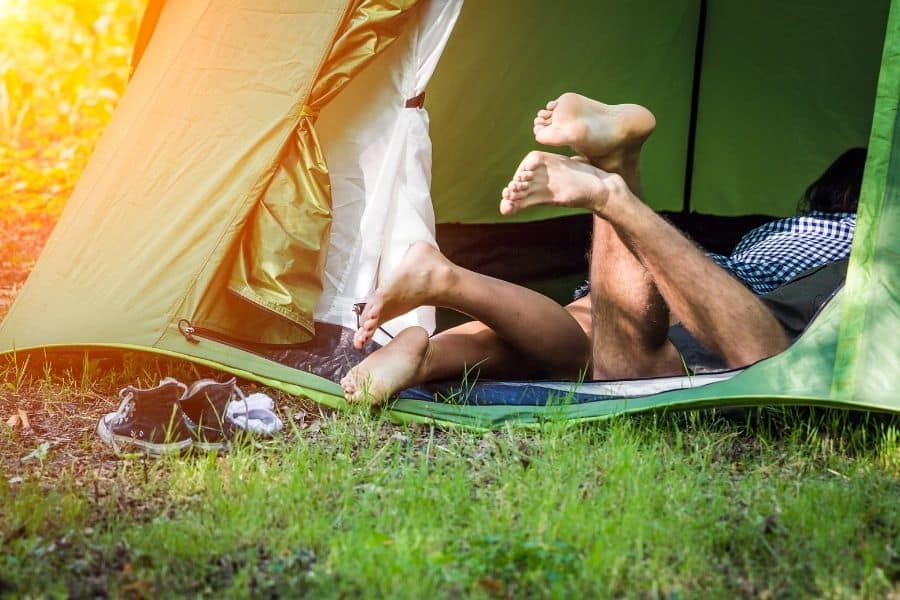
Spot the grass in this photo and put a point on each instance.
(761, 504)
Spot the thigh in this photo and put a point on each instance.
(663, 359)
(581, 311)
(474, 347)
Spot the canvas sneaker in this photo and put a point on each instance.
(206, 407)
(150, 420)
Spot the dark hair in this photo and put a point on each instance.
(837, 189)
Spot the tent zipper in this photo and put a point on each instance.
(192, 334)
(195, 335)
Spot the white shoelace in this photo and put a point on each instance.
(126, 407)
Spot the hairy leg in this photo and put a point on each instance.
(630, 317)
(637, 251)
(712, 305)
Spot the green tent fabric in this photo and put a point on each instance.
(813, 106)
(497, 76)
(794, 81)
(105, 282)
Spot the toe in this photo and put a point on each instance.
(545, 115)
(371, 315)
(518, 194)
(552, 104)
(366, 333)
(358, 340)
(531, 162)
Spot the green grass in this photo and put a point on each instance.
(774, 504)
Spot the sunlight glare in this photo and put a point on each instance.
(9, 7)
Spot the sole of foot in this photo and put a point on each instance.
(544, 178)
(386, 371)
(607, 134)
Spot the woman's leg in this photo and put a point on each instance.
(518, 331)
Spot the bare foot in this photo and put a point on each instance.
(423, 274)
(544, 178)
(388, 370)
(610, 135)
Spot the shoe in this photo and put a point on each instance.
(206, 407)
(149, 419)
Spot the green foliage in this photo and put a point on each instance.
(63, 67)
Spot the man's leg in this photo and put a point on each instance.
(630, 317)
(712, 305)
(520, 331)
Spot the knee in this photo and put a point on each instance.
(749, 351)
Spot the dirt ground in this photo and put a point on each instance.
(48, 417)
(21, 239)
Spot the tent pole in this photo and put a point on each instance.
(695, 103)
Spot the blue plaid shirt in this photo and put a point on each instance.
(771, 255)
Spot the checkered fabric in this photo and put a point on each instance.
(771, 255)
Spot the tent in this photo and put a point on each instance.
(270, 162)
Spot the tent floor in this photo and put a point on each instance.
(555, 392)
